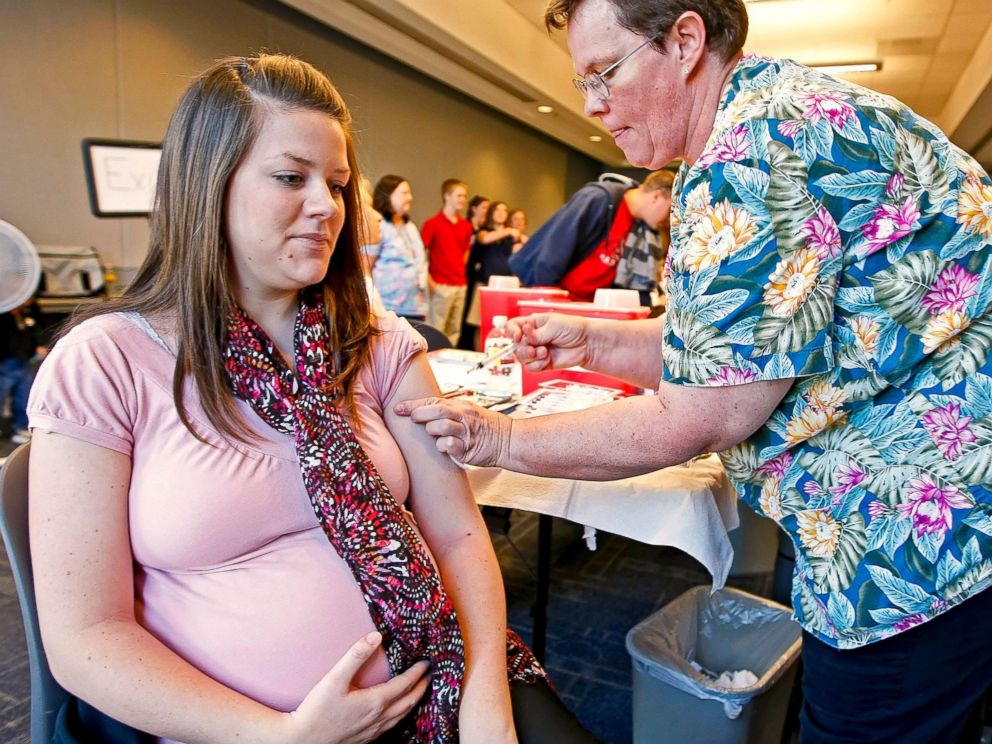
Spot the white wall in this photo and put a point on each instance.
(115, 69)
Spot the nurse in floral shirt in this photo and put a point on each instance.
(828, 332)
(827, 233)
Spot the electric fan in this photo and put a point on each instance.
(20, 268)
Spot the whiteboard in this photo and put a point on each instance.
(120, 176)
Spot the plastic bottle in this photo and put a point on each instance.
(498, 339)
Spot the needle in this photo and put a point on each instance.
(502, 352)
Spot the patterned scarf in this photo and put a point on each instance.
(360, 517)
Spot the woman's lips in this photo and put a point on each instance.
(313, 240)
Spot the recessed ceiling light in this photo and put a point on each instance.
(842, 68)
(595, 138)
(545, 109)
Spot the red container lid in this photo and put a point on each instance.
(506, 301)
(588, 309)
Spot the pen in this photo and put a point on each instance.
(494, 356)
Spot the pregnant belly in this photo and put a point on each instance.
(269, 625)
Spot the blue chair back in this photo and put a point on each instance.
(47, 696)
(434, 337)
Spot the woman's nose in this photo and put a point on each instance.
(321, 202)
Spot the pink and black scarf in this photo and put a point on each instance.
(358, 514)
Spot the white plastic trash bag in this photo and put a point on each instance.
(697, 637)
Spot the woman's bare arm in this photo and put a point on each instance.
(452, 526)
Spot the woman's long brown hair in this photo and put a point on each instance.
(186, 270)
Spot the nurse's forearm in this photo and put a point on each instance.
(621, 439)
(628, 349)
(638, 434)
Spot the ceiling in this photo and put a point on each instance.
(936, 55)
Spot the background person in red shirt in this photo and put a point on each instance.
(447, 237)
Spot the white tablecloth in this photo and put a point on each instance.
(690, 507)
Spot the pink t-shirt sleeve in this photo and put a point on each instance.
(85, 389)
(391, 355)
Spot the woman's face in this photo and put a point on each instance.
(479, 212)
(499, 214)
(401, 199)
(518, 220)
(284, 205)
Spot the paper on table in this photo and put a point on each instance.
(452, 369)
(561, 396)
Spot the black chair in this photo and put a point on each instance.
(47, 696)
(434, 337)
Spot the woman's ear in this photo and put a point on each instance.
(687, 40)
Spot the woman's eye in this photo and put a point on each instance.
(337, 189)
(289, 179)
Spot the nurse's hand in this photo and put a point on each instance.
(550, 341)
(337, 711)
(467, 433)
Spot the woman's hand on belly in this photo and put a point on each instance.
(336, 712)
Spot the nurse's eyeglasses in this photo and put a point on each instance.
(595, 82)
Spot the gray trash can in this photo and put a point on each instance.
(731, 630)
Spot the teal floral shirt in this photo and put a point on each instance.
(829, 234)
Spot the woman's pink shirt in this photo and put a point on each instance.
(231, 568)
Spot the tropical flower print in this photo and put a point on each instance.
(954, 287)
(771, 499)
(942, 330)
(948, 429)
(810, 423)
(778, 465)
(888, 224)
(697, 201)
(873, 99)
(823, 402)
(789, 127)
(825, 397)
(929, 505)
(875, 460)
(865, 334)
(730, 147)
(878, 509)
(848, 476)
(821, 234)
(828, 106)
(723, 230)
(893, 188)
(792, 282)
(975, 206)
(909, 621)
(732, 376)
(697, 204)
(818, 532)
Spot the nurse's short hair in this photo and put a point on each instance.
(725, 20)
